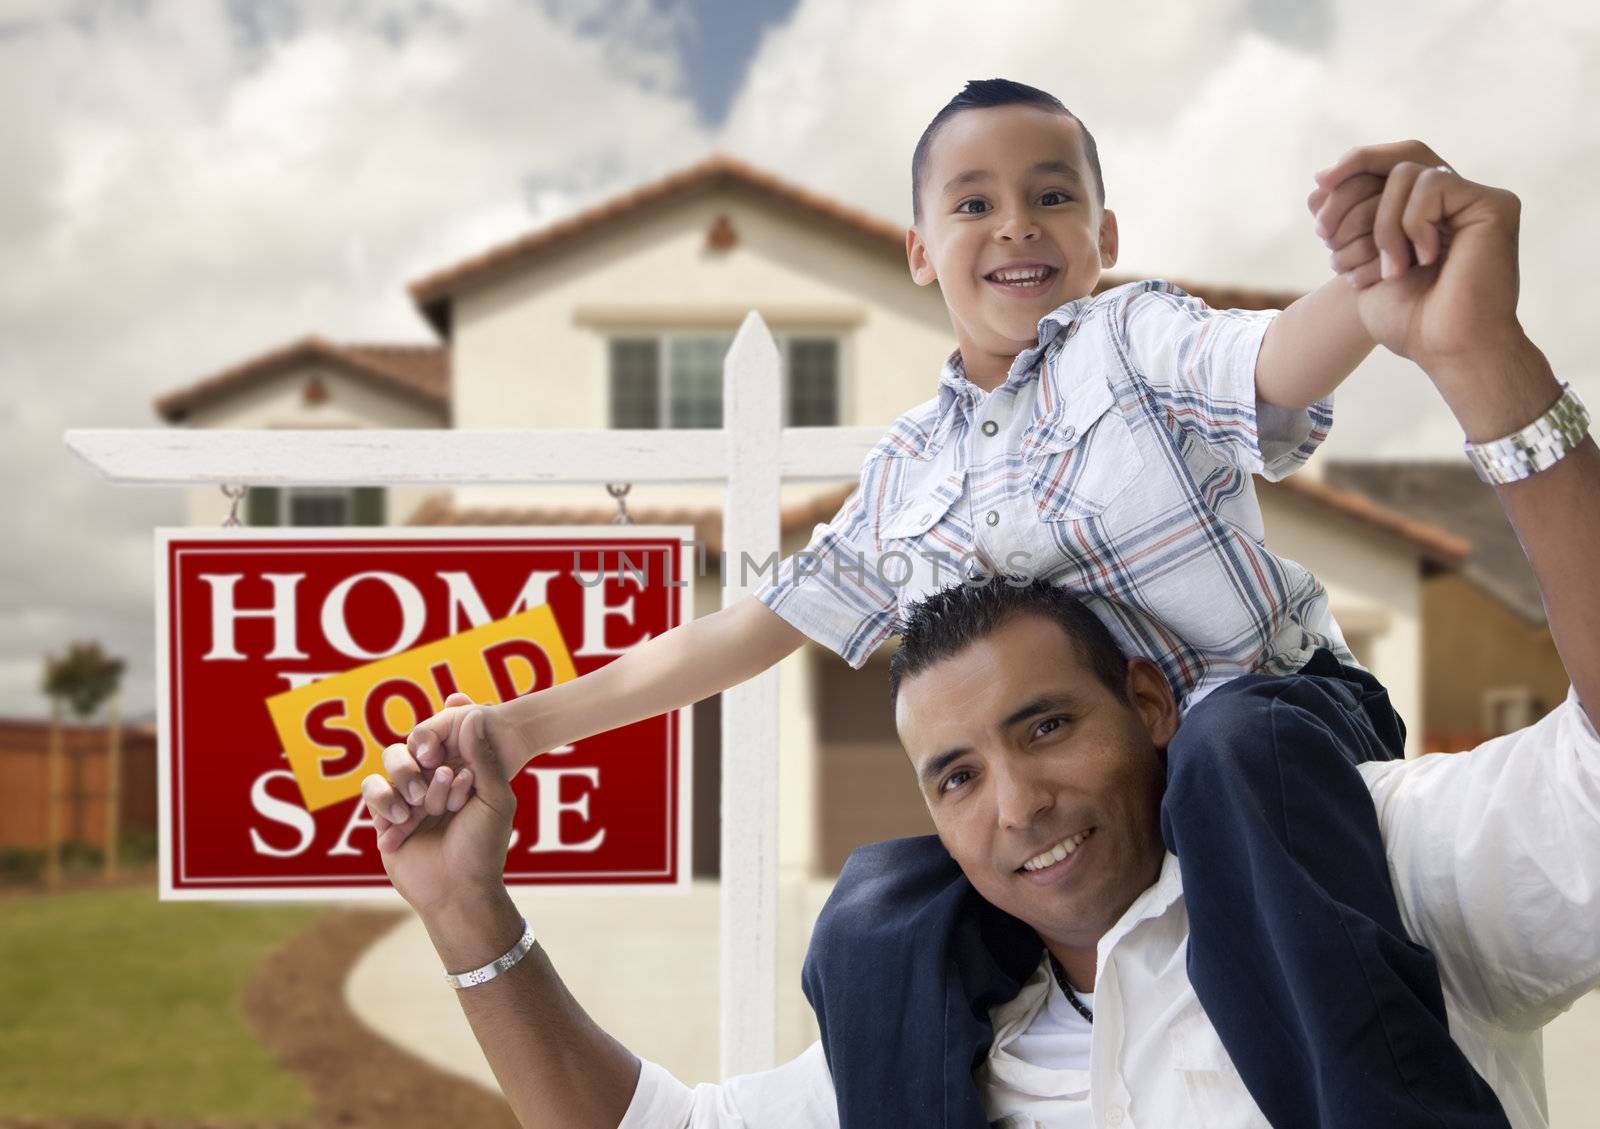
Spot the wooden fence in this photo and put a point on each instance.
(24, 757)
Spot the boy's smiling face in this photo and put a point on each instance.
(1005, 189)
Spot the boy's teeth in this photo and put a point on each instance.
(1057, 853)
(1035, 274)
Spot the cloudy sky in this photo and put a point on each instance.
(185, 183)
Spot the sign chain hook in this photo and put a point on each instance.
(235, 495)
(619, 491)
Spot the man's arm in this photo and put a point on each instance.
(1556, 512)
(1495, 852)
(1455, 315)
(557, 1067)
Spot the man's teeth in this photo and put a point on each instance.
(1027, 277)
(1055, 854)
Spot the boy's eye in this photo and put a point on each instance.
(1061, 196)
(1048, 725)
(962, 207)
(954, 780)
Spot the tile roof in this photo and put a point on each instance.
(1448, 493)
(1438, 547)
(420, 372)
(433, 293)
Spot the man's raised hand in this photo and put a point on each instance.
(433, 745)
(1437, 270)
(455, 839)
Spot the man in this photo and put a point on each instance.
(1477, 843)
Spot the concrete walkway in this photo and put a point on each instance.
(645, 967)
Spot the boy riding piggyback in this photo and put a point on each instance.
(1105, 442)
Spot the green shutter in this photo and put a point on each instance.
(261, 506)
(813, 382)
(366, 505)
(635, 382)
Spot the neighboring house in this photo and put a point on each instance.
(619, 317)
(1490, 664)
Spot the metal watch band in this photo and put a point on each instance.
(1539, 446)
(494, 968)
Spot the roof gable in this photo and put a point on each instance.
(417, 372)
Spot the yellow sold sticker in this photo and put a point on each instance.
(334, 730)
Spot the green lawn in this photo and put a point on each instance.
(115, 1005)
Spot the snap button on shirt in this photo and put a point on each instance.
(992, 517)
(990, 427)
(1069, 433)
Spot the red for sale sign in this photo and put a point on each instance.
(288, 659)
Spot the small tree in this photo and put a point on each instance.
(80, 680)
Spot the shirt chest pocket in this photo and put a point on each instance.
(925, 499)
(1080, 456)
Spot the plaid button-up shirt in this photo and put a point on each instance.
(1115, 459)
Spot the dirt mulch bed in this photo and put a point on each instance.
(357, 1080)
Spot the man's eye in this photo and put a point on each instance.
(962, 207)
(1049, 725)
(954, 781)
(1062, 196)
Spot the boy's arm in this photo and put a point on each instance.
(1311, 347)
(677, 668)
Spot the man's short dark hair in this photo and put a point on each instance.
(952, 619)
(984, 94)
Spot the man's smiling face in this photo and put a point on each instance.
(1024, 755)
(1008, 187)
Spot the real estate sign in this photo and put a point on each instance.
(288, 659)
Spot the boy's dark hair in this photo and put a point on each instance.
(986, 93)
(952, 619)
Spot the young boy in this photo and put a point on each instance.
(1105, 443)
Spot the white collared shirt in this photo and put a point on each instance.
(1495, 856)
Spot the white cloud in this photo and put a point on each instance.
(1210, 126)
(183, 191)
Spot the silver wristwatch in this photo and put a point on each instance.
(1539, 446)
(495, 967)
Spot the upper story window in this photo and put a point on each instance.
(675, 380)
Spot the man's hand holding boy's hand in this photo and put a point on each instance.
(1439, 309)
(431, 770)
(454, 850)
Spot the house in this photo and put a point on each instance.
(1490, 665)
(619, 316)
